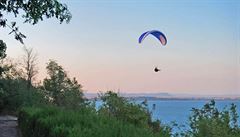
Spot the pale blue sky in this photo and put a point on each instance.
(100, 45)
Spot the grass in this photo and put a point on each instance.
(58, 122)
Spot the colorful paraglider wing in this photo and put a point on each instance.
(142, 37)
(159, 35)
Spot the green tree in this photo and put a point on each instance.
(121, 108)
(3, 48)
(11, 69)
(127, 111)
(211, 122)
(32, 11)
(60, 89)
(13, 88)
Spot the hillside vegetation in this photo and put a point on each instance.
(57, 108)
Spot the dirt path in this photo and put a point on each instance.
(8, 126)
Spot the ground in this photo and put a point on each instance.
(8, 126)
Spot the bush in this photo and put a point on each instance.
(58, 122)
(127, 111)
(122, 109)
(211, 122)
(15, 94)
(60, 89)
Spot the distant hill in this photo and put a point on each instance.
(155, 95)
(168, 96)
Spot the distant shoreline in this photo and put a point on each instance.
(179, 99)
(182, 99)
(168, 96)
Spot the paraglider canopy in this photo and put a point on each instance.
(159, 35)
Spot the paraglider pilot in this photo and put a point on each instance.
(156, 69)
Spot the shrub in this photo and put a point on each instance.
(211, 122)
(58, 122)
(15, 94)
(128, 111)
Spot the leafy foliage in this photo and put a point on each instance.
(137, 114)
(32, 11)
(13, 89)
(3, 48)
(15, 94)
(11, 69)
(58, 122)
(35, 10)
(122, 109)
(60, 89)
(211, 122)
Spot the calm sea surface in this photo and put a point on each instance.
(179, 110)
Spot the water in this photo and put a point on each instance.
(179, 110)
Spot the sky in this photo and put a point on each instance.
(100, 45)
